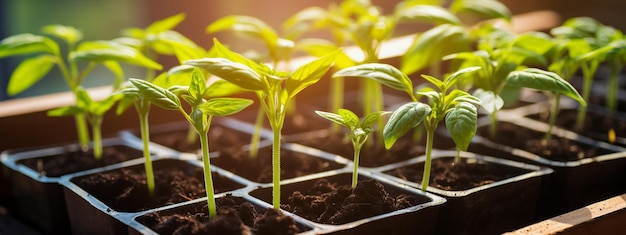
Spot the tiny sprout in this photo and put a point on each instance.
(200, 116)
(359, 131)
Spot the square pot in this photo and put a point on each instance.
(38, 197)
(138, 223)
(488, 208)
(599, 174)
(418, 217)
(103, 210)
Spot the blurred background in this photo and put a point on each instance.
(104, 19)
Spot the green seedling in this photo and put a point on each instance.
(274, 89)
(157, 39)
(94, 112)
(500, 53)
(359, 131)
(48, 53)
(456, 106)
(449, 35)
(200, 116)
(278, 49)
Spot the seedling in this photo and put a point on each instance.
(450, 34)
(94, 112)
(48, 51)
(359, 131)
(499, 55)
(277, 49)
(200, 116)
(274, 89)
(456, 106)
(157, 38)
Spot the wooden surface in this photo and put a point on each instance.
(605, 217)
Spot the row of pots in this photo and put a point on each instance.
(538, 189)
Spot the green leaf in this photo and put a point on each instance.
(453, 78)
(234, 72)
(303, 21)
(219, 87)
(29, 72)
(432, 45)
(224, 106)
(100, 107)
(157, 95)
(489, 9)
(544, 80)
(245, 24)
(433, 80)
(69, 34)
(222, 51)
(461, 124)
(429, 13)
(349, 118)
(65, 111)
(100, 51)
(321, 47)
(385, 74)
(165, 24)
(197, 86)
(333, 117)
(490, 101)
(309, 74)
(372, 118)
(406, 117)
(21, 44)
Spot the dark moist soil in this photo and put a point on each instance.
(558, 149)
(595, 126)
(176, 181)
(329, 203)
(220, 138)
(447, 175)
(75, 161)
(259, 169)
(235, 216)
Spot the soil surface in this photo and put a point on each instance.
(259, 169)
(220, 138)
(176, 181)
(75, 161)
(558, 149)
(330, 203)
(595, 125)
(235, 216)
(447, 175)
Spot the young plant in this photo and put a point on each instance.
(450, 34)
(157, 39)
(278, 49)
(48, 53)
(274, 89)
(200, 116)
(359, 131)
(94, 112)
(456, 106)
(500, 53)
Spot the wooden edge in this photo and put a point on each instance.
(396, 47)
(565, 222)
